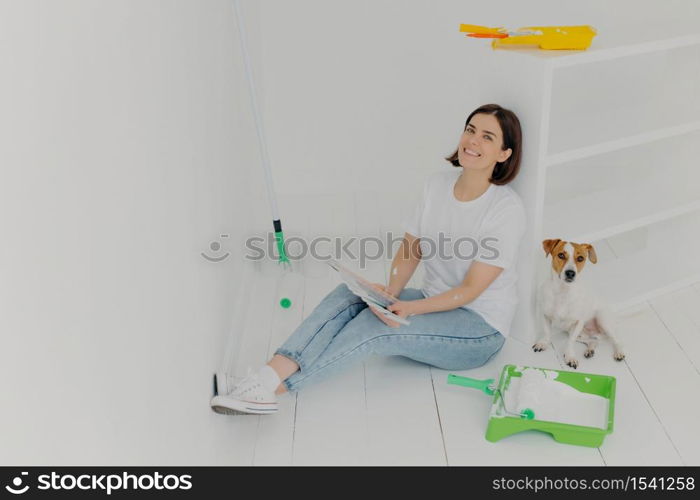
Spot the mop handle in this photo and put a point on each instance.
(256, 113)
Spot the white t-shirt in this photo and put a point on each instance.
(487, 229)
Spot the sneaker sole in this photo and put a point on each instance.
(228, 411)
(227, 406)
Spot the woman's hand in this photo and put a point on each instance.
(401, 308)
(376, 312)
(404, 308)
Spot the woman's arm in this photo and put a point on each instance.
(404, 264)
(478, 278)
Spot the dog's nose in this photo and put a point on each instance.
(569, 273)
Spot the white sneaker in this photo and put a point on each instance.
(224, 383)
(248, 396)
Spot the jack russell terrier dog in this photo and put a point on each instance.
(565, 305)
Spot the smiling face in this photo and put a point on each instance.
(568, 259)
(481, 143)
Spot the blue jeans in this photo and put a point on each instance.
(342, 330)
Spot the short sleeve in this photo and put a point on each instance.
(501, 235)
(412, 223)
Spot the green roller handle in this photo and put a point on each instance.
(483, 385)
(279, 238)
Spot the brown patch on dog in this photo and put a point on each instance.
(591, 253)
(581, 252)
(559, 256)
(549, 245)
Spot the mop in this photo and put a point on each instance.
(283, 260)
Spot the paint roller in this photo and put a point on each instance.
(520, 397)
(490, 387)
(283, 260)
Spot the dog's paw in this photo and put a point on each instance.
(571, 361)
(589, 353)
(539, 346)
(619, 356)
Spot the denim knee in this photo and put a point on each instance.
(496, 341)
(343, 289)
(465, 354)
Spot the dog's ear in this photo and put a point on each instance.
(591, 252)
(549, 245)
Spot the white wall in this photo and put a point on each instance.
(128, 147)
(126, 142)
(367, 92)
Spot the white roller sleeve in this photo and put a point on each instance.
(556, 401)
(532, 383)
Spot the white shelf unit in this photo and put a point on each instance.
(609, 159)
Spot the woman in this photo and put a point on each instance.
(462, 314)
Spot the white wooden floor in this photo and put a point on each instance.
(394, 411)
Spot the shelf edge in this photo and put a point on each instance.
(607, 232)
(553, 160)
(624, 306)
(625, 51)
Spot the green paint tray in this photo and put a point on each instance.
(505, 421)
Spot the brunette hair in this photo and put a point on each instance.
(503, 172)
